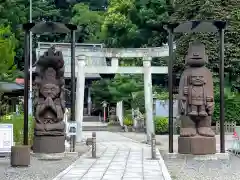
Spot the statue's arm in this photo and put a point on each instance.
(62, 98)
(209, 93)
(182, 94)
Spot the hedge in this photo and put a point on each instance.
(161, 124)
(231, 106)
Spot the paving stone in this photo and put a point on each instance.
(118, 174)
(134, 165)
(156, 174)
(81, 165)
(123, 163)
(97, 169)
(92, 174)
(111, 177)
(116, 167)
(78, 172)
(134, 174)
(102, 162)
(69, 176)
(103, 165)
(72, 178)
(153, 178)
(134, 170)
(88, 178)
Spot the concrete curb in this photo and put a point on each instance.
(165, 172)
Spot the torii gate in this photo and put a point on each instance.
(114, 54)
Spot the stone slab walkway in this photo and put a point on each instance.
(119, 158)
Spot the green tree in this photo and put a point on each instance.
(89, 23)
(96, 5)
(45, 10)
(135, 23)
(121, 88)
(7, 54)
(13, 14)
(211, 10)
(100, 92)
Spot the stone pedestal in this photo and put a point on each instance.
(49, 144)
(197, 145)
(20, 156)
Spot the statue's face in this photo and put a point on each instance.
(197, 80)
(50, 90)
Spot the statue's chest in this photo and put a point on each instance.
(197, 91)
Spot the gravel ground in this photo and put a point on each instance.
(187, 168)
(39, 169)
(191, 169)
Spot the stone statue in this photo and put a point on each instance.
(112, 114)
(49, 103)
(196, 101)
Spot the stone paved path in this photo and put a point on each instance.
(119, 158)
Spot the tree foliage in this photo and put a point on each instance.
(7, 53)
(45, 10)
(135, 23)
(89, 23)
(121, 88)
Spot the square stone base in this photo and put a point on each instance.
(197, 145)
(20, 156)
(49, 144)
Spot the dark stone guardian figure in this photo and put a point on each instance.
(196, 104)
(49, 104)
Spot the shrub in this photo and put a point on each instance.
(231, 106)
(128, 121)
(161, 124)
(18, 121)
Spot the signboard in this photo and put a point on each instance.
(6, 138)
(72, 129)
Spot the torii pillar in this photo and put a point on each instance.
(148, 96)
(80, 96)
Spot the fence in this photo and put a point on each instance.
(228, 127)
